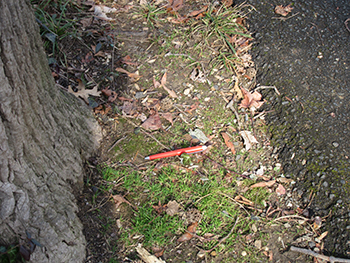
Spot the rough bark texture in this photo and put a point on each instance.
(45, 134)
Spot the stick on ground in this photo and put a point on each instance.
(316, 255)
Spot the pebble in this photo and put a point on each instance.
(244, 253)
(201, 254)
(257, 244)
(335, 144)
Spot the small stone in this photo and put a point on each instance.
(316, 249)
(325, 184)
(244, 253)
(335, 144)
(201, 254)
(254, 228)
(207, 99)
(187, 91)
(257, 244)
(213, 253)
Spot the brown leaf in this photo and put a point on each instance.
(168, 116)
(280, 190)
(283, 10)
(84, 93)
(251, 99)
(171, 92)
(158, 251)
(129, 108)
(263, 184)
(130, 75)
(198, 12)
(127, 60)
(152, 123)
(191, 230)
(112, 95)
(118, 200)
(192, 227)
(174, 5)
(156, 84)
(228, 142)
(103, 109)
(193, 107)
(172, 208)
(160, 208)
(163, 80)
(185, 237)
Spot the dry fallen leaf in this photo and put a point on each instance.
(197, 13)
(189, 234)
(130, 75)
(174, 5)
(152, 123)
(168, 116)
(251, 99)
(172, 208)
(112, 95)
(248, 138)
(171, 92)
(158, 251)
(118, 200)
(263, 184)
(283, 10)
(280, 190)
(156, 84)
(84, 93)
(228, 142)
(100, 12)
(238, 90)
(159, 208)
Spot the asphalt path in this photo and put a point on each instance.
(306, 55)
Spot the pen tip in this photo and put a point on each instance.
(147, 158)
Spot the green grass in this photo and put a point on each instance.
(10, 254)
(212, 197)
(55, 25)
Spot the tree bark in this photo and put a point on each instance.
(45, 134)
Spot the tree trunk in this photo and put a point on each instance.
(45, 134)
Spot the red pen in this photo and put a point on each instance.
(189, 150)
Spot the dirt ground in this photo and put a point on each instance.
(127, 56)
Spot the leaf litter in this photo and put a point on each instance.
(111, 100)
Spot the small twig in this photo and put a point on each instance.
(268, 87)
(285, 18)
(224, 238)
(171, 54)
(316, 255)
(242, 206)
(291, 216)
(318, 32)
(114, 144)
(206, 156)
(230, 106)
